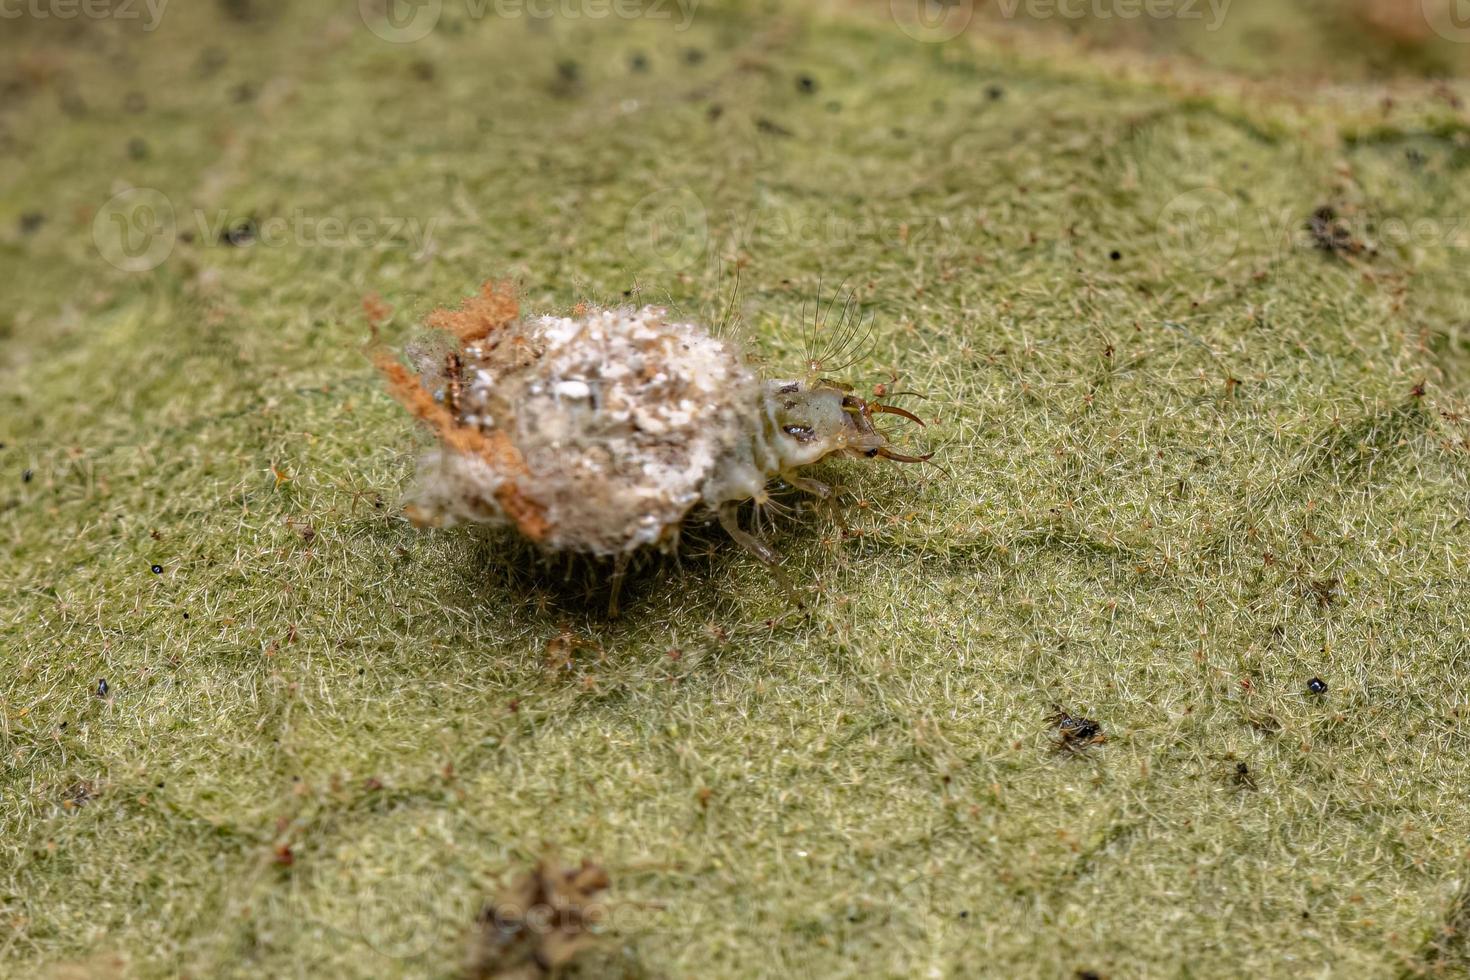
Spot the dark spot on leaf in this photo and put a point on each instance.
(212, 60)
(1075, 732)
(240, 235)
(73, 104)
(1331, 233)
(238, 10)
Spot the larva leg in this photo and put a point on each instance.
(730, 520)
(669, 544)
(807, 485)
(620, 568)
(822, 492)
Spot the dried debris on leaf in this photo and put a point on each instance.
(78, 795)
(539, 924)
(1332, 233)
(1075, 733)
(1324, 592)
(561, 649)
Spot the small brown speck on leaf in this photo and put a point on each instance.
(1075, 733)
(79, 795)
(1323, 591)
(1331, 233)
(562, 648)
(539, 924)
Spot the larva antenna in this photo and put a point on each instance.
(843, 329)
(732, 317)
(724, 309)
(723, 312)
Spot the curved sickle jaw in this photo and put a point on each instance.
(887, 453)
(876, 409)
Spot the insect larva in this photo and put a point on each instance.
(603, 432)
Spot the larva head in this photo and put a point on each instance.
(815, 420)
